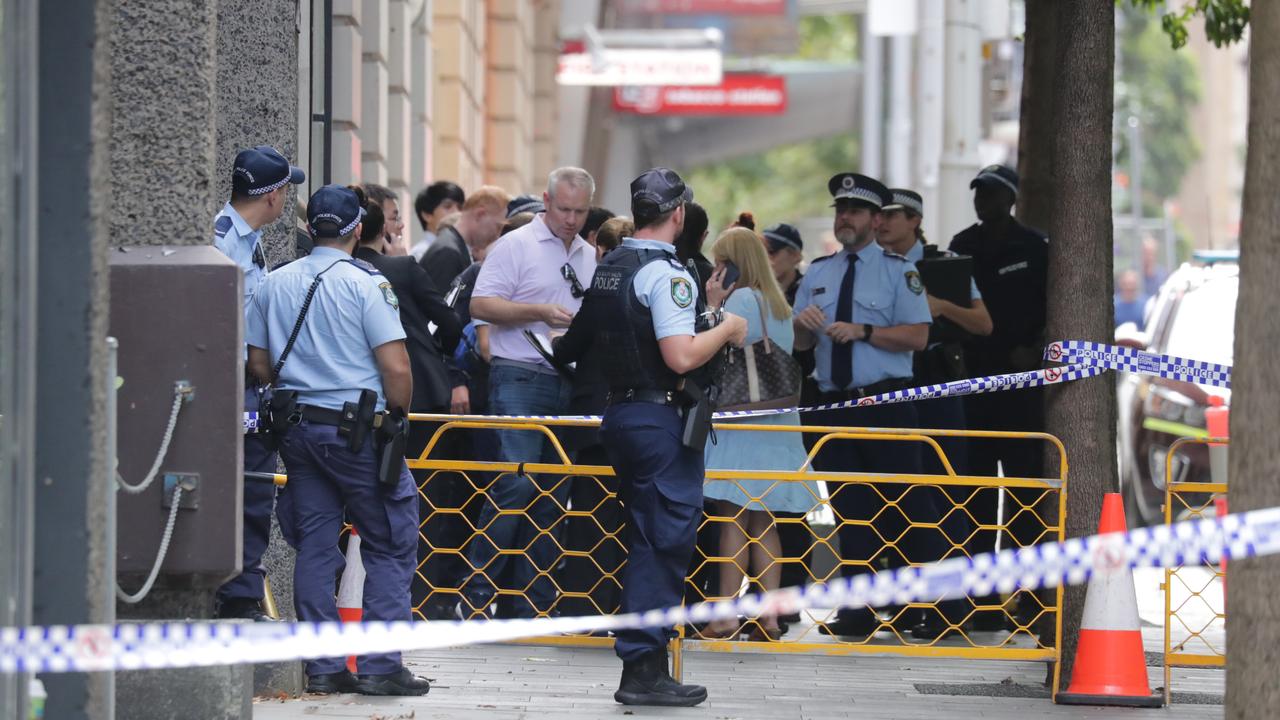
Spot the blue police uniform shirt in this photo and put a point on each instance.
(668, 290)
(233, 236)
(886, 292)
(916, 254)
(354, 311)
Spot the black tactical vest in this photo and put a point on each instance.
(623, 327)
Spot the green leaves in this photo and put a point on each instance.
(1224, 20)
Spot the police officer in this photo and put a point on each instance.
(642, 309)
(1010, 266)
(260, 181)
(327, 328)
(864, 311)
(942, 361)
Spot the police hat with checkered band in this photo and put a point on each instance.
(258, 171)
(859, 188)
(904, 199)
(1000, 175)
(333, 211)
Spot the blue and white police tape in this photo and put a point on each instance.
(86, 648)
(1114, 357)
(973, 386)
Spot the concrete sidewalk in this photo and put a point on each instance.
(507, 681)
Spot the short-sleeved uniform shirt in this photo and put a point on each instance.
(240, 242)
(886, 292)
(667, 289)
(526, 266)
(354, 310)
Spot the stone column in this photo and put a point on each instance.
(257, 100)
(509, 102)
(400, 74)
(375, 49)
(257, 104)
(348, 90)
(420, 95)
(546, 92)
(458, 39)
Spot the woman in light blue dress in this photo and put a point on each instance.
(746, 506)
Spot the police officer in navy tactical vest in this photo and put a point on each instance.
(642, 308)
(325, 332)
(864, 312)
(260, 180)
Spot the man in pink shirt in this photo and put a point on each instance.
(534, 279)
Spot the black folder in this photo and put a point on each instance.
(948, 278)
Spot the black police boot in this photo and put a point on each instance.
(647, 682)
(242, 609)
(401, 682)
(332, 683)
(852, 622)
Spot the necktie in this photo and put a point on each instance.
(842, 353)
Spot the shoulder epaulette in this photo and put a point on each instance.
(824, 257)
(221, 225)
(365, 266)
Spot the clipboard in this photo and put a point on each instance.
(536, 341)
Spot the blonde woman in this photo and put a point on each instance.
(750, 503)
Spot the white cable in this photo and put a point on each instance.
(164, 550)
(181, 391)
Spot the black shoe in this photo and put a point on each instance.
(332, 683)
(852, 623)
(402, 682)
(242, 609)
(789, 619)
(931, 627)
(647, 682)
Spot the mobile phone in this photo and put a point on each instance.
(731, 274)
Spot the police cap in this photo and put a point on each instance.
(525, 203)
(860, 188)
(259, 170)
(658, 191)
(1002, 175)
(783, 235)
(904, 199)
(333, 212)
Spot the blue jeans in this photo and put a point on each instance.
(515, 390)
(326, 480)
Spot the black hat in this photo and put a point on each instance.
(906, 200)
(852, 186)
(658, 191)
(783, 235)
(525, 203)
(333, 211)
(999, 175)
(260, 170)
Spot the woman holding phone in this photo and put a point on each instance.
(744, 508)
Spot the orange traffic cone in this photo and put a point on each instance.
(351, 589)
(1111, 667)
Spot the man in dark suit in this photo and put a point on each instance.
(453, 251)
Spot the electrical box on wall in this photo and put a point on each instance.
(177, 315)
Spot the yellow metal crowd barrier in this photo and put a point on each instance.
(1194, 596)
(587, 573)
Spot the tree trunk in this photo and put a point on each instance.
(1082, 414)
(1253, 607)
(1036, 127)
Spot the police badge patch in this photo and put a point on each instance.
(389, 295)
(914, 284)
(681, 292)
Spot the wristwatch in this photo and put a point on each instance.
(867, 329)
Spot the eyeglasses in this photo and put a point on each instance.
(575, 287)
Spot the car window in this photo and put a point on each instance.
(1203, 325)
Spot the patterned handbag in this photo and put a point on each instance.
(760, 376)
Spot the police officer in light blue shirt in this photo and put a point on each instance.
(864, 311)
(327, 327)
(260, 181)
(640, 313)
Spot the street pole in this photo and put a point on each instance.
(930, 88)
(872, 101)
(962, 114)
